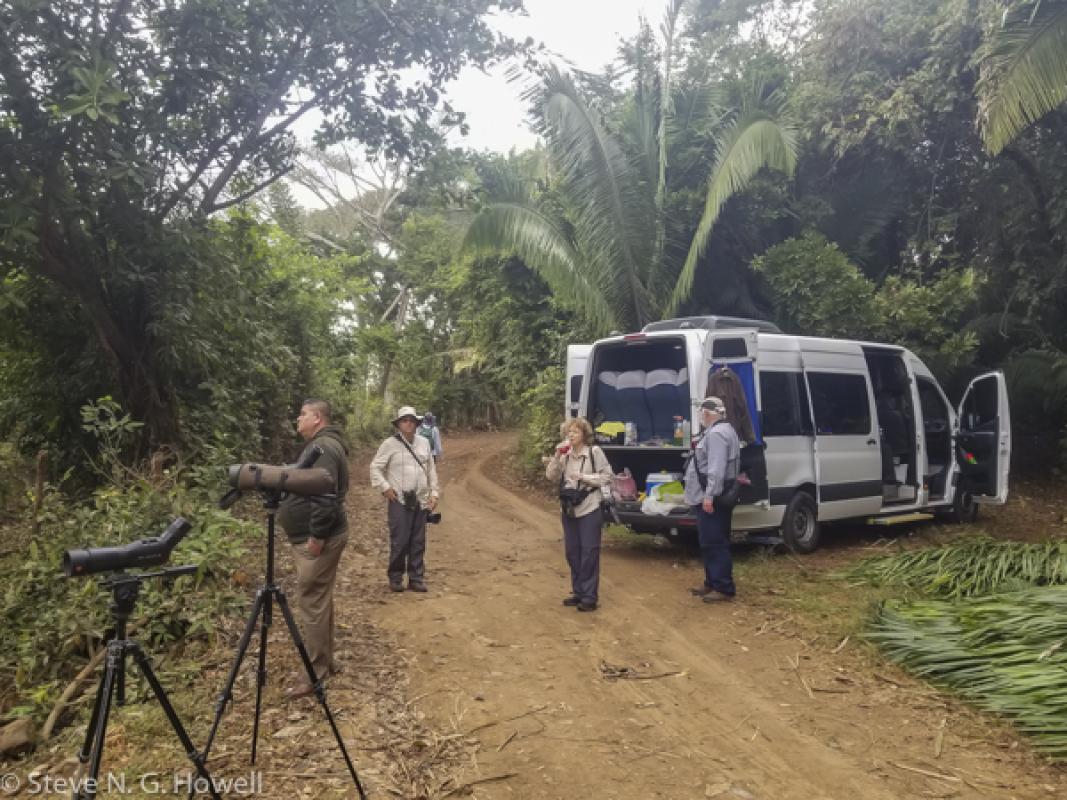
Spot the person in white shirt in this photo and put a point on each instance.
(403, 470)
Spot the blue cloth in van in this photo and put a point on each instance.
(607, 400)
(633, 407)
(747, 375)
(661, 394)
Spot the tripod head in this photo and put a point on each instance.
(125, 587)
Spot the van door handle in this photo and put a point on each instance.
(872, 441)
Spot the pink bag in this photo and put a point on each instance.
(623, 486)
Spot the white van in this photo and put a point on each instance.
(837, 429)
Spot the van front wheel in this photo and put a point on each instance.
(964, 508)
(800, 525)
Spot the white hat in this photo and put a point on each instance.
(715, 405)
(406, 411)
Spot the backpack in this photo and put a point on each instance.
(426, 432)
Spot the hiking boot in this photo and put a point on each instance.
(714, 596)
(396, 587)
(302, 689)
(701, 591)
(571, 601)
(583, 606)
(417, 586)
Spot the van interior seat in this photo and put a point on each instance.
(632, 403)
(661, 395)
(607, 401)
(681, 394)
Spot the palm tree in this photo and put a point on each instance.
(1024, 71)
(601, 238)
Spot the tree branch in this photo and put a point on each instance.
(259, 187)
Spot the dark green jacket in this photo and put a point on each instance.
(321, 517)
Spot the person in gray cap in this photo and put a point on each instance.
(715, 460)
(403, 470)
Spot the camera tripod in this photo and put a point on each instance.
(124, 592)
(267, 594)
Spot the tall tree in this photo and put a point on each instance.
(604, 238)
(124, 124)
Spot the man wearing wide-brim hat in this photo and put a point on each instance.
(403, 470)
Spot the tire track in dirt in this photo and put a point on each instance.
(497, 659)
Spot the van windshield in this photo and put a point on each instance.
(643, 383)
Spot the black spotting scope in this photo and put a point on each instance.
(150, 552)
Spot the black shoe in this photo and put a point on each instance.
(417, 586)
(587, 606)
(717, 597)
(572, 601)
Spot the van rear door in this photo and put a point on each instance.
(983, 438)
(736, 350)
(577, 358)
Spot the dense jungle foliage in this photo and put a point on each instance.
(841, 167)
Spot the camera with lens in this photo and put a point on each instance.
(570, 498)
(410, 500)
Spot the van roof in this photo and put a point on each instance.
(710, 323)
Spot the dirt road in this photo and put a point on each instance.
(657, 695)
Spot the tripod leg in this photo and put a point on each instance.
(86, 788)
(168, 709)
(261, 671)
(90, 730)
(226, 695)
(320, 692)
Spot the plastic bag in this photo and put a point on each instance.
(623, 486)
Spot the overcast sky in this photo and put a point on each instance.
(585, 32)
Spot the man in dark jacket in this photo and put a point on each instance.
(318, 530)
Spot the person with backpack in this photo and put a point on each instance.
(582, 470)
(428, 430)
(712, 468)
(403, 470)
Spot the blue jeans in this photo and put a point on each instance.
(713, 532)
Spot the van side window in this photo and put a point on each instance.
(576, 387)
(806, 426)
(840, 403)
(728, 348)
(785, 404)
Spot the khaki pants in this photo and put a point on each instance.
(314, 581)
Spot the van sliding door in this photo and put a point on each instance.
(846, 439)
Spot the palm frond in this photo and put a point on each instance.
(611, 218)
(975, 567)
(752, 142)
(1006, 653)
(519, 228)
(1024, 73)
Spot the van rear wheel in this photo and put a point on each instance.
(800, 525)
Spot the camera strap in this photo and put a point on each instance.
(425, 469)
